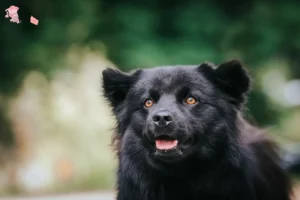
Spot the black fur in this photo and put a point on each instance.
(219, 156)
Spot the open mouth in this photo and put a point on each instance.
(171, 149)
(165, 142)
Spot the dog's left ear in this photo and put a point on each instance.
(116, 85)
(230, 77)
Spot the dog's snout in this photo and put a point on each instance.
(162, 118)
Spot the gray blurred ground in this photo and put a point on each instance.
(79, 196)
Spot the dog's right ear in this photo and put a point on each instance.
(116, 85)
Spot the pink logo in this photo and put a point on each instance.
(12, 12)
(34, 20)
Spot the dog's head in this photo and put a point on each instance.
(167, 114)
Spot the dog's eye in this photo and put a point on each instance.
(148, 103)
(191, 100)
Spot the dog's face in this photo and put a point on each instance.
(168, 114)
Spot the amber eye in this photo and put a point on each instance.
(191, 100)
(148, 103)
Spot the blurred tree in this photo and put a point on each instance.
(149, 33)
(26, 47)
(152, 32)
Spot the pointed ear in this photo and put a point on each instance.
(207, 68)
(116, 85)
(232, 78)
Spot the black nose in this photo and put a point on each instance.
(162, 118)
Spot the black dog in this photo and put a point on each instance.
(181, 135)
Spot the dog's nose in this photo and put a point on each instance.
(162, 118)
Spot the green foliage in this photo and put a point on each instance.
(152, 32)
(28, 47)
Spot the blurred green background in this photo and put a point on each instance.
(55, 127)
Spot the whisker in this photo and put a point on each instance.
(140, 150)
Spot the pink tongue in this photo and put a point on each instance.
(166, 144)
